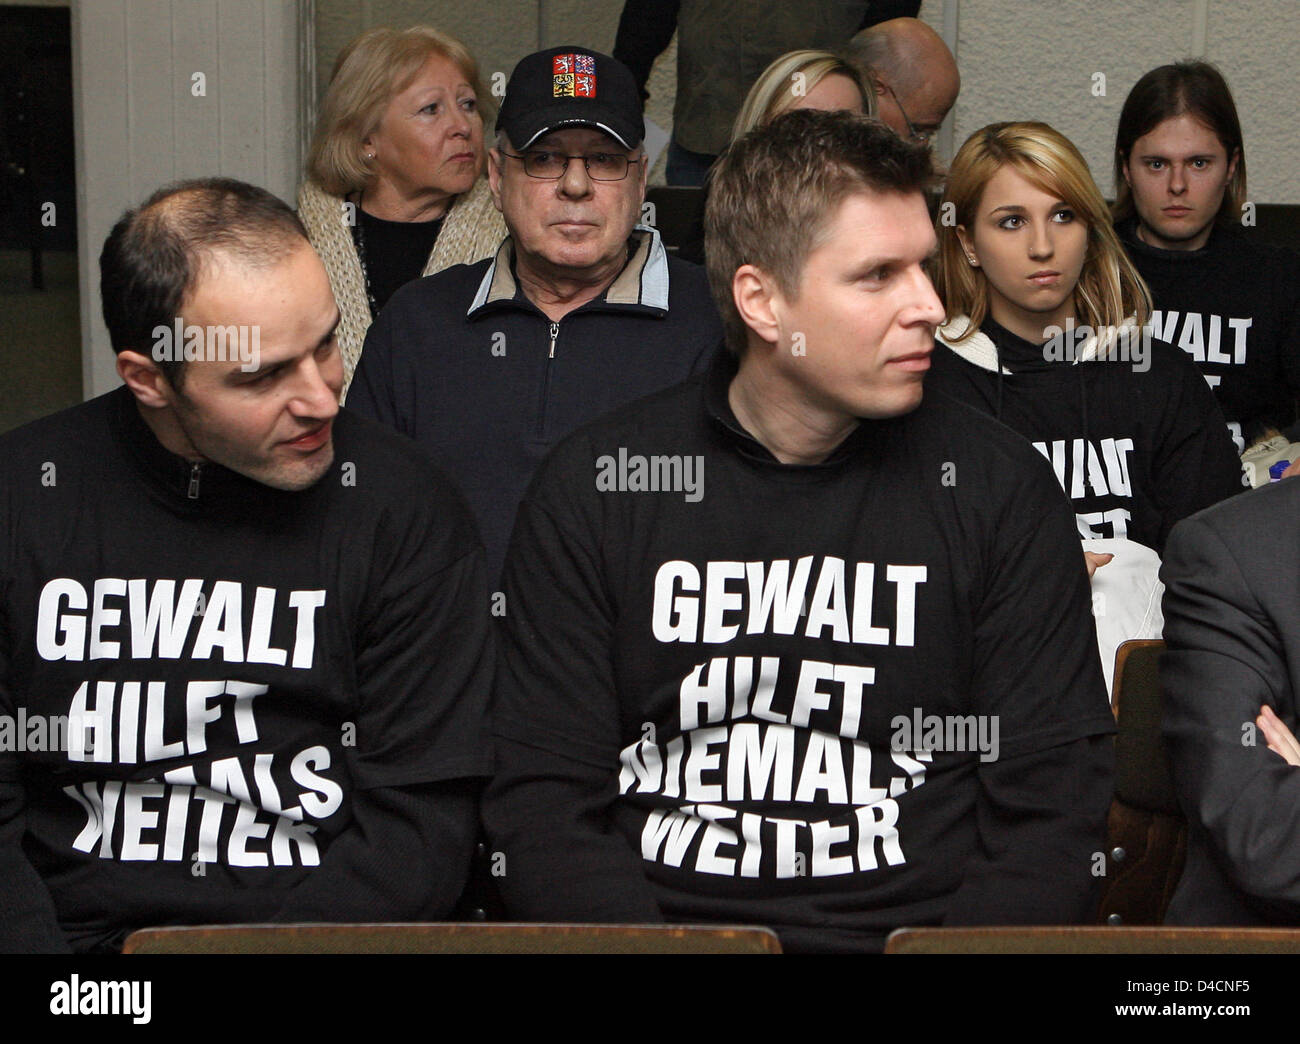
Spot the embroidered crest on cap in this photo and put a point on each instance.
(573, 76)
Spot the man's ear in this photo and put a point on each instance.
(147, 382)
(758, 301)
(494, 163)
(643, 161)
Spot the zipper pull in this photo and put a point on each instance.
(194, 481)
(555, 332)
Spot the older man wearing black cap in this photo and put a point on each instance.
(580, 311)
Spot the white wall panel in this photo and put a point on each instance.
(139, 123)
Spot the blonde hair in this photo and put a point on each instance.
(1109, 287)
(368, 72)
(774, 90)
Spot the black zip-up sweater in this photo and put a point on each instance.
(1137, 445)
(1234, 307)
(699, 689)
(464, 363)
(293, 686)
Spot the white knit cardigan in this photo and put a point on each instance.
(472, 230)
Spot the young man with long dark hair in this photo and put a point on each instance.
(1226, 298)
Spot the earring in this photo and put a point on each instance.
(973, 262)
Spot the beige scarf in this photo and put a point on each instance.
(472, 230)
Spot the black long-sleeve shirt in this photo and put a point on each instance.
(275, 701)
(706, 698)
(1136, 441)
(1234, 308)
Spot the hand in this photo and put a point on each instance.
(1293, 470)
(1280, 740)
(1095, 561)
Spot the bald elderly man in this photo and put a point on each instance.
(914, 74)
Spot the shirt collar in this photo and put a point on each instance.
(1219, 235)
(717, 404)
(182, 484)
(641, 284)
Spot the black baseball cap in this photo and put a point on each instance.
(571, 87)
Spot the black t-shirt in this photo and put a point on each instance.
(393, 252)
(1234, 307)
(726, 678)
(231, 664)
(1138, 444)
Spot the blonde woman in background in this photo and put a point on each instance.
(797, 80)
(803, 80)
(394, 184)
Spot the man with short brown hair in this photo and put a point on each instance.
(786, 644)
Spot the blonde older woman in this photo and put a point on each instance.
(803, 80)
(795, 80)
(394, 187)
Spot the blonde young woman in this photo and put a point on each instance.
(1045, 332)
(394, 183)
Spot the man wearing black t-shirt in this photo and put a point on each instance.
(1229, 300)
(243, 669)
(786, 644)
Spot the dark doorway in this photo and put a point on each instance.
(40, 338)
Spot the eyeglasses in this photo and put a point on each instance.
(920, 137)
(551, 166)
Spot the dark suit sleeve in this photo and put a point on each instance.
(548, 808)
(1223, 661)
